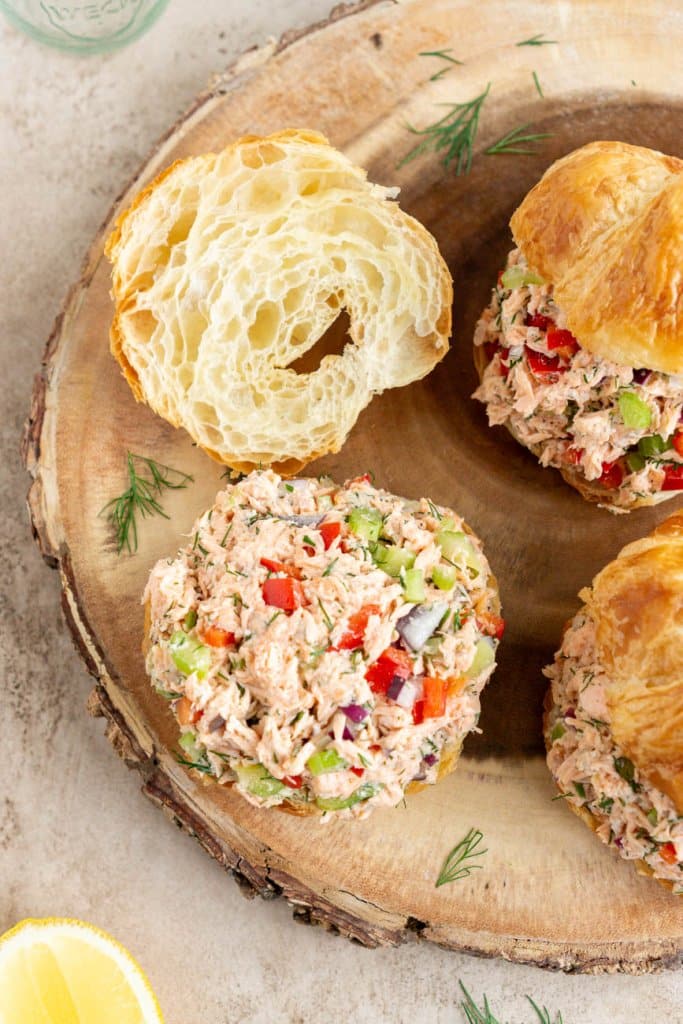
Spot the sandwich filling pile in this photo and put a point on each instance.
(591, 770)
(616, 425)
(323, 646)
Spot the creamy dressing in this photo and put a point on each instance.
(592, 771)
(571, 417)
(267, 684)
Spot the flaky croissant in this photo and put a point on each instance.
(229, 267)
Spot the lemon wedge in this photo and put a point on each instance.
(59, 971)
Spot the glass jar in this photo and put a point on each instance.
(89, 26)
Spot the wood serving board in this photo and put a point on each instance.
(549, 892)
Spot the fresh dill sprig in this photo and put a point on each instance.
(513, 141)
(544, 1015)
(537, 84)
(537, 40)
(455, 133)
(444, 55)
(454, 866)
(484, 1014)
(473, 1014)
(147, 479)
(199, 766)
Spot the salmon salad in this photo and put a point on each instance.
(591, 770)
(322, 646)
(616, 425)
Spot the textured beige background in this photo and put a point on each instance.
(76, 836)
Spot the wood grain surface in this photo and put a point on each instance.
(549, 893)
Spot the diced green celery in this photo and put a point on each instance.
(456, 547)
(635, 461)
(558, 732)
(190, 619)
(444, 576)
(188, 743)
(652, 446)
(365, 522)
(652, 816)
(324, 761)
(256, 779)
(340, 803)
(392, 559)
(413, 585)
(635, 413)
(189, 655)
(515, 277)
(484, 656)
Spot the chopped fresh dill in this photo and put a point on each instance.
(434, 510)
(141, 496)
(330, 567)
(308, 540)
(513, 141)
(537, 84)
(544, 1015)
(455, 866)
(328, 620)
(484, 1014)
(443, 55)
(537, 40)
(455, 133)
(227, 532)
(274, 616)
(199, 766)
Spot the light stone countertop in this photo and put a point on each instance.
(76, 836)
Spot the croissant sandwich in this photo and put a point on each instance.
(580, 352)
(229, 267)
(323, 648)
(614, 711)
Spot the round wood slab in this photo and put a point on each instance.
(549, 892)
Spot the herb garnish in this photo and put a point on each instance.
(330, 567)
(537, 40)
(454, 866)
(328, 620)
(141, 496)
(484, 1014)
(199, 766)
(444, 55)
(455, 132)
(537, 84)
(511, 143)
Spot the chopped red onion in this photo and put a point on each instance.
(430, 759)
(570, 713)
(640, 376)
(303, 520)
(417, 626)
(405, 691)
(216, 723)
(355, 712)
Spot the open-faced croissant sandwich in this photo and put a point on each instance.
(580, 352)
(614, 712)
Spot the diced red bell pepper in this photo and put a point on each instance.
(364, 479)
(562, 342)
(492, 625)
(329, 532)
(673, 477)
(359, 772)
(289, 570)
(491, 348)
(214, 636)
(500, 278)
(293, 781)
(283, 592)
(677, 441)
(538, 320)
(612, 475)
(419, 712)
(185, 714)
(391, 662)
(355, 632)
(573, 455)
(540, 363)
(667, 851)
(435, 690)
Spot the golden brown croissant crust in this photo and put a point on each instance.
(605, 226)
(637, 604)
